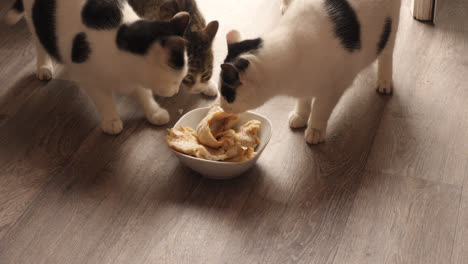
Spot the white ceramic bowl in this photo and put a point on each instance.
(217, 169)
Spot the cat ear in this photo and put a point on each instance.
(211, 29)
(180, 22)
(229, 73)
(233, 37)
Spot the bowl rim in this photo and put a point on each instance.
(224, 162)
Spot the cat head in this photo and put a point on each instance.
(156, 52)
(238, 84)
(200, 55)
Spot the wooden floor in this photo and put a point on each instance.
(389, 186)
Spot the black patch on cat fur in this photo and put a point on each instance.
(387, 30)
(236, 49)
(102, 14)
(176, 59)
(229, 83)
(80, 49)
(347, 27)
(18, 6)
(228, 92)
(139, 36)
(230, 79)
(43, 17)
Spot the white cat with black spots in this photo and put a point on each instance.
(314, 54)
(107, 48)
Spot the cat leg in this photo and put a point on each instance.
(385, 72)
(211, 89)
(154, 113)
(105, 104)
(298, 118)
(284, 5)
(44, 66)
(385, 68)
(322, 108)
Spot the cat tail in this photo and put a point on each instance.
(15, 14)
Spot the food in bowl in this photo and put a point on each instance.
(216, 139)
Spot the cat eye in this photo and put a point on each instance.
(206, 76)
(188, 79)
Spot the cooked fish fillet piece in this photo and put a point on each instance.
(247, 154)
(227, 138)
(184, 139)
(214, 123)
(247, 134)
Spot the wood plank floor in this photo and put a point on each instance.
(390, 185)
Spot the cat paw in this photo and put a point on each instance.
(385, 87)
(315, 136)
(44, 73)
(159, 117)
(211, 89)
(297, 120)
(112, 127)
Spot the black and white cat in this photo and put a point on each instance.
(314, 54)
(107, 47)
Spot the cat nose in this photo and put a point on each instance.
(196, 89)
